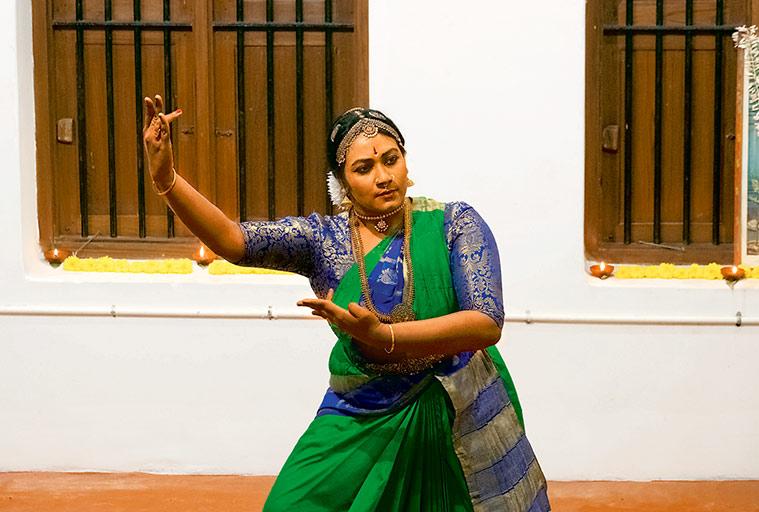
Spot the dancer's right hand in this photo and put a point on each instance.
(156, 135)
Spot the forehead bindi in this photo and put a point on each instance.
(369, 147)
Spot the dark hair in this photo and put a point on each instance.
(343, 125)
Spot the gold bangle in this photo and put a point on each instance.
(392, 340)
(173, 182)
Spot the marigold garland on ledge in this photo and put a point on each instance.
(108, 264)
(221, 267)
(670, 271)
(170, 266)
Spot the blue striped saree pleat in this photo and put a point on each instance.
(499, 465)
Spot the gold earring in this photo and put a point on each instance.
(409, 182)
(346, 203)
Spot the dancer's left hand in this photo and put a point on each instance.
(357, 321)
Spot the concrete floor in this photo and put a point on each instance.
(130, 492)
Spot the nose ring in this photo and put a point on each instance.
(387, 184)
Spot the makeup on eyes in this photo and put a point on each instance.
(390, 154)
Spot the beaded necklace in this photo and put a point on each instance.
(403, 312)
(380, 225)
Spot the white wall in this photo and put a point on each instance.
(490, 100)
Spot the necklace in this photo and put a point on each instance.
(403, 312)
(381, 225)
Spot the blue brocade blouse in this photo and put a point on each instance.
(319, 247)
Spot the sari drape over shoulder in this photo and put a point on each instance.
(445, 437)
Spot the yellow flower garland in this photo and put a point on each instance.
(108, 264)
(170, 266)
(670, 271)
(221, 267)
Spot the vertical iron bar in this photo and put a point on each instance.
(328, 99)
(299, 106)
(717, 187)
(111, 129)
(242, 181)
(139, 119)
(687, 119)
(628, 123)
(169, 93)
(81, 122)
(658, 122)
(270, 103)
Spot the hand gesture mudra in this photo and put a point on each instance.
(156, 135)
(357, 321)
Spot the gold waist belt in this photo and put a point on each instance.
(405, 367)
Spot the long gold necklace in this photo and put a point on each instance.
(403, 312)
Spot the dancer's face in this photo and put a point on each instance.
(376, 174)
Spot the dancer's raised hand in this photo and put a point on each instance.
(156, 135)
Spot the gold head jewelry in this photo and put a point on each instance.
(368, 128)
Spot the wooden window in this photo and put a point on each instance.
(259, 83)
(660, 125)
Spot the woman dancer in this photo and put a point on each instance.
(421, 413)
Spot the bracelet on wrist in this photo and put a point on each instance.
(173, 182)
(392, 339)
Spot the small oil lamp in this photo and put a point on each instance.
(204, 256)
(601, 271)
(56, 256)
(733, 273)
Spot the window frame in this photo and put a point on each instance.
(45, 136)
(596, 248)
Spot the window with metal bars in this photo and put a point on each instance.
(660, 129)
(259, 83)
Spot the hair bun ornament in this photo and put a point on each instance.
(334, 132)
(337, 192)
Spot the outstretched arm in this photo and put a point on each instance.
(221, 234)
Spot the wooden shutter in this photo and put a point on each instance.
(660, 124)
(252, 133)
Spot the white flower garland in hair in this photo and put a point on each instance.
(747, 39)
(336, 190)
